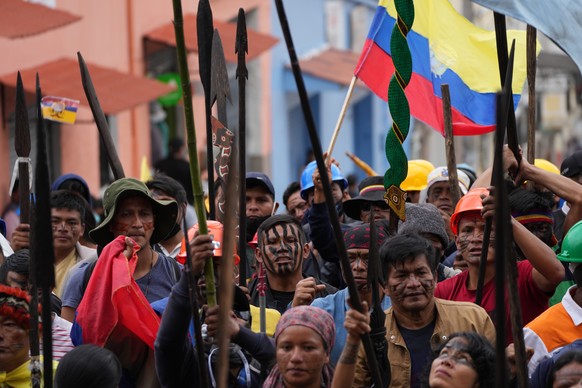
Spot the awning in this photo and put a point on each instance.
(258, 42)
(332, 65)
(116, 91)
(19, 19)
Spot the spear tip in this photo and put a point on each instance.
(242, 43)
(219, 87)
(204, 31)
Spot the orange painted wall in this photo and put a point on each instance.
(109, 36)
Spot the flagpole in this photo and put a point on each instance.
(340, 119)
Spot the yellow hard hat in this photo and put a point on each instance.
(418, 170)
(546, 165)
(424, 163)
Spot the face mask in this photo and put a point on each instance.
(252, 226)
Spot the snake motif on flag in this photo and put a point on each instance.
(399, 109)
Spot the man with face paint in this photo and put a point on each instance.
(537, 276)
(357, 242)
(281, 250)
(417, 321)
(561, 324)
(14, 338)
(260, 205)
(533, 209)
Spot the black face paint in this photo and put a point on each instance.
(281, 249)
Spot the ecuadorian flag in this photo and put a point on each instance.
(446, 49)
(60, 109)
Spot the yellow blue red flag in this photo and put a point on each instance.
(446, 49)
(63, 110)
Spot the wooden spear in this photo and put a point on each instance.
(505, 64)
(22, 148)
(100, 120)
(226, 272)
(42, 257)
(242, 74)
(450, 146)
(200, 352)
(317, 151)
(531, 88)
(204, 32)
(219, 86)
(377, 317)
(192, 148)
(219, 91)
(501, 243)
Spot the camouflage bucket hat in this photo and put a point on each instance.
(165, 212)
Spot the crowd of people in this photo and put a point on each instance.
(130, 310)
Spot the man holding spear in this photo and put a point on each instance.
(538, 276)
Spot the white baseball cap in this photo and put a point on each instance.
(441, 174)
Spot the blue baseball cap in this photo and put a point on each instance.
(259, 178)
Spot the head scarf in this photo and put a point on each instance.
(317, 320)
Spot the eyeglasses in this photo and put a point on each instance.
(70, 225)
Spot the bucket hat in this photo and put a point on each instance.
(371, 190)
(165, 212)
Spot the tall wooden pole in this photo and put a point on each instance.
(318, 153)
(192, 147)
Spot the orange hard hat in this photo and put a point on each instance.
(470, 202)
(216, 230)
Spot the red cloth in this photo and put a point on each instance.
(533, 300)
(113, 300)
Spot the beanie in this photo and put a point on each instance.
(424, 218)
